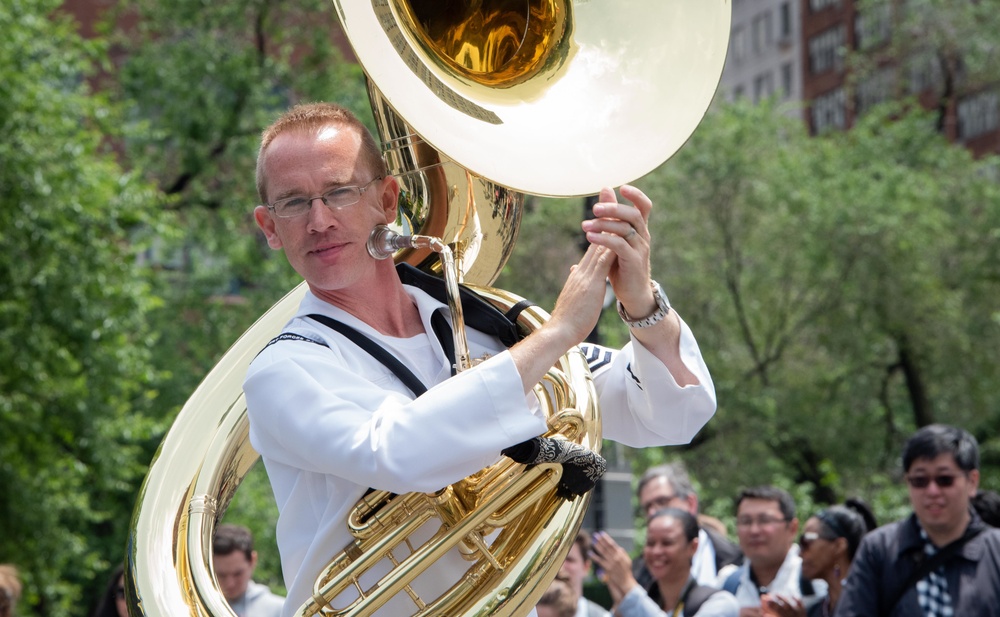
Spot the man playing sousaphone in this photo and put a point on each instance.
(333, 418)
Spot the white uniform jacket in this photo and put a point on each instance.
(330, 421)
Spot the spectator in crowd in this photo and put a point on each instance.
(10, 589)
(671, 544)
(557, 601)
(942, 559)
(767, 527)
(574, 571)
(828, 543)
(234, 560)
(112, 601)
(987, 505)
(670, 486)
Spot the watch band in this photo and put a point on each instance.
(662, 309)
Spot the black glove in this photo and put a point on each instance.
(581, 468)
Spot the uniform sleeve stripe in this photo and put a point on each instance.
(597, 357)
(290, 336)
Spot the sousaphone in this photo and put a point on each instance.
(476, 103)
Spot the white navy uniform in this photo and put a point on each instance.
(330, 421)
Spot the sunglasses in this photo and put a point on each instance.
(806, 539)
(943, 481)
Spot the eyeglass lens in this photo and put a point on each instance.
(763, 521)
(340, 197)
(943, 481)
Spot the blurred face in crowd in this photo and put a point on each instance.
(234, 572)
(765, 535)
(819, 553)
(574, 570)
(940, 492)
(657, 494)
(668, 553)
(120, 604)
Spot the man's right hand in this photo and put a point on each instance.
(581, 468)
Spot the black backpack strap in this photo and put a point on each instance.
(696, 596)
(376, 351)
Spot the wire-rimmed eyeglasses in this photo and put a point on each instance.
(335, 199)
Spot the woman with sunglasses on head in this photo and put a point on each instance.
(829, 541)
(671, 542)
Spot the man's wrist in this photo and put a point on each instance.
(662, 309)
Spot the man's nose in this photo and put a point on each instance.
(320, 215)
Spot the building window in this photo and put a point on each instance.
(785, 21)
(739, 44)
(923, 72)
(762, 34)
(763, 86)
(825, 50)
(875, 89)
(786, 79)
(978, 114)
(816, 6)
(829, 111)
(872, 28)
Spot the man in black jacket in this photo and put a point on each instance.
(669, 486)
(942, 560)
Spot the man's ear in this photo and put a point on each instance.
(263, 218)
(253, 560)
(692, 504)
(794, 526)
(390, 199)
(973, 482)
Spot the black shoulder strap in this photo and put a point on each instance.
(477, 312)
(376, 351)
(806, 586)
(931, 563)
(696, 596)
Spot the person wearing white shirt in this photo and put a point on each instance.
(330, 420)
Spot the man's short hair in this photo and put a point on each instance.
(582, 541)
(769, 493)
(313, 117)
(231, 538)
(559, 597)
(675, 474)
(936, 439)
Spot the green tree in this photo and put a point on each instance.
(840, 290)
(75, 390)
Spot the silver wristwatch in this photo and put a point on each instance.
(662, 309)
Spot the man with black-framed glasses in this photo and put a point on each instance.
(940, 561)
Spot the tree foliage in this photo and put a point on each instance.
(75, 396)
(842, 291)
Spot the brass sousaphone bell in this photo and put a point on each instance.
(476, 103)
